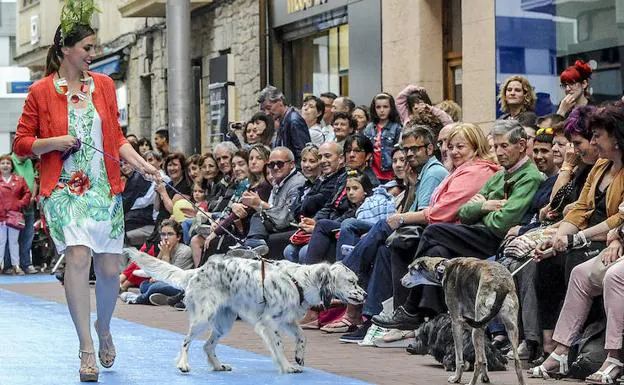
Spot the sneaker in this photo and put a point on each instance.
(374, 333)
(31, 270)
(171, 301)
(400, 319)
(17, 270)
(158, 299)
(523, 352)
(180, 306)
(357, 335)
(504, 345)
(128, 297)
(346, 250)
(396, 339)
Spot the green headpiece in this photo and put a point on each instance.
(76, 12)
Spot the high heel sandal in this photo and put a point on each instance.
(106, 356)
(542, 372)
(89, 372)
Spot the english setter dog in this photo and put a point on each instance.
(272, 296)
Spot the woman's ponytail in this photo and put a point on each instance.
(53, 63)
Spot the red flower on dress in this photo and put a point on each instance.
(79, 183)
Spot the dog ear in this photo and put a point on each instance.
(325, 289)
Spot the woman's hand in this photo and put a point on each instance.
(394, 221)
(612, 253)
(240, 210)
(570, 157)
(307, 224)
(612, 235)
(543, 251)
(251, 199)
(560, 243)
(161, 189)
(546, 214)
(209, 239)
(165, 248)
(567, 104)
(62, 143)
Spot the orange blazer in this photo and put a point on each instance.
(45, 116)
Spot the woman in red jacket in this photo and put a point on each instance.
(15, 196)
(81, 191)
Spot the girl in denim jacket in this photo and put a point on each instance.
(384, 131)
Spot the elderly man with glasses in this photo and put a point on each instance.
(286, 181)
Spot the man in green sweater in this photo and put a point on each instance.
(499, 205)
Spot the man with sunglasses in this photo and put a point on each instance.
(285, 180)
(293, 130)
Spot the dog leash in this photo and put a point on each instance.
(294, 281)
(75, 148)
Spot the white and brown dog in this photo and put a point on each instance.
(475, 291)
(271, 296)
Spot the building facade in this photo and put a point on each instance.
(457, 49)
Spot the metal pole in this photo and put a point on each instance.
(179, 75)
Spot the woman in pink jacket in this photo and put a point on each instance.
(15, 196)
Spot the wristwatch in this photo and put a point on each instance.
(401, 220)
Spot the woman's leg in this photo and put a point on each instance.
(107, 267)
(197, 246)
(614, 305)
(320, 242)
(4, 233)
(13, 236)
(76, 283)
(351, 229)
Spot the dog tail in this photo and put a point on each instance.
(160, 270)
(496, 306)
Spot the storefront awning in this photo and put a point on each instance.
(108, 66)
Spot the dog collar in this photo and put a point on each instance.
(299, 289)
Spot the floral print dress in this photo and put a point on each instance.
(81, 210)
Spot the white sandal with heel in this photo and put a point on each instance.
(542, 372)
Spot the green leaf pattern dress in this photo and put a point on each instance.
(81, 210)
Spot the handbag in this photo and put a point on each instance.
(521, 247)
(15, 220)
(277, 219)
(300, 238)
(405, 237)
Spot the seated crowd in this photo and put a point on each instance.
(377, 187)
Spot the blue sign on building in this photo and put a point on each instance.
(18, 87)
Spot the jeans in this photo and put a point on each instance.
(321, 242)
(186, 231)
(379, 286)
(257, 234)
(351, 229)
(295, 253)
(365, 251)
(27, 234)
(8, 240)
(148, 288)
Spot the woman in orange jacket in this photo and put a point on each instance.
(69, 118)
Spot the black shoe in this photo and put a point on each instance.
(533, 349)
(180, 306)
(171, 301)
(357, 335)
(503, 345)
(400, 319)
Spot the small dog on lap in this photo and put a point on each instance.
(435, 337)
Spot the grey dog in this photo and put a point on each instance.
(475, 292)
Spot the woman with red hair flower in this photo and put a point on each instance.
(575, 83)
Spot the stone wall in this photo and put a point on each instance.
(230, 25)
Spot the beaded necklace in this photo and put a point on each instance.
(74, 96)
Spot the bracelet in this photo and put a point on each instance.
(565, 169)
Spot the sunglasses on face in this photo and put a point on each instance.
(277, 163)
(413, 149)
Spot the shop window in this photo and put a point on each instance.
(322, 64)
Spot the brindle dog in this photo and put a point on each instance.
(475, 292)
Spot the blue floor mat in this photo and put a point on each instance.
(38, 345)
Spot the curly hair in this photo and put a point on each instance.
(529, 94)
(425, 117)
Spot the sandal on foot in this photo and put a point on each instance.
(107, 356)
(343, 325)
(604, 376)
(88, 372)
(542, 372)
